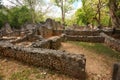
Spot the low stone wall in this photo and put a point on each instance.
(50, 43)
(41, 44)
(15, 33)
(116, 72)
(66, 63)
(111, 42)
(55, 42)
(94, 39)
(82, 33)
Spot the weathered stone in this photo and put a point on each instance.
(50, 43)
(46, 32)
(7, 28)
(116, 72)
(85, 38)
(111, 42)
(82, 33)
(42, 44)
(70, 64)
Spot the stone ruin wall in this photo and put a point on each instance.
(66, 63)
(50, 43)
(116, 72)
(44, 29)
(75, 32)
(84, 36)
(82, 33)
(111, 42)
(93, 39)
(57, 32)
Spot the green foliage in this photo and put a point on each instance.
(105, 20)
(118, 13)
(23, 75)
(18, 16)
(39, 17)
(58, 19)
(89, 12)
(3, 18)
(71, 21)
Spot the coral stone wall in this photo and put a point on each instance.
(57, 32)
(50, 43)
(41, 44)
(69, 64)
(45, 32)
(116, 72)
(111, 42)
(82, 33)
(55, 42)
(95, 39)
(15, 33)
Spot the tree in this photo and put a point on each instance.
(3, 18)
(93, 11)
(0, 3)
(65, 6)
(114, 6)
(18, 16)
(31, 4)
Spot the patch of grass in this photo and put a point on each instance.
(1, 76)
(99, 48)
(35, 71)
(41, 76)
(23, 75)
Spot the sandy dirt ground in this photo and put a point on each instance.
(98, 67)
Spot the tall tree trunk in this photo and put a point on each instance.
(63, 14)
(99, 13)
(113, 9)
(109, 25)
(32, 10)
(33, 16)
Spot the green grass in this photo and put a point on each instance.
(41, 76)
(99, 48)
(23, 75)
(1, 76)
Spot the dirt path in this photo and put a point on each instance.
(98, 67)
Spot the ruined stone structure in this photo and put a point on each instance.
(84, 36)
(50, 43)
(111, 42)
(44, 29)
(48, 27)
(45, 39)
(69, 64)
(94, 39)
(40, 53)
(46, 32)
(82, 33)
(116, 72)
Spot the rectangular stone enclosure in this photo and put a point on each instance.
(61, 61)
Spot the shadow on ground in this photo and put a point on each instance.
(1, 77)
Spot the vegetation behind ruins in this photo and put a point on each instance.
(95, 12)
